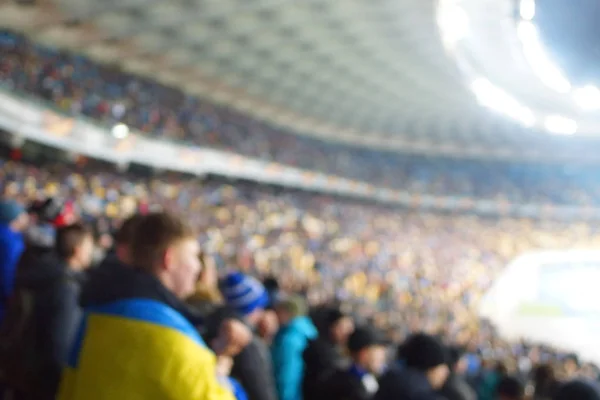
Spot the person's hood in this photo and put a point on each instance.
(46, 268)
(113, 281)
(303, 326)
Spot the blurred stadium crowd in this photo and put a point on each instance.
(400, 271)
(78, 86)
(297, 295)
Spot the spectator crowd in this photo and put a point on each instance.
(78, 86)
(257, 293)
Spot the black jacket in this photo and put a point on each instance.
(405, 384)
(345, 385)
(55, 291)
(253, 367)
(321, 360)
(456, 388)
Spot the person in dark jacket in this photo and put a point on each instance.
(456, 387)
(578, 389)
(13, 220)
(324, 355)
(289, 344)
(54, 285)
(367, 349)
(510, 388)
(545, 382)
(421, 371)
(246, 299)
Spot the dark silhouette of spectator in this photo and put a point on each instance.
(368, 351)
(456, 387)
(422, 374)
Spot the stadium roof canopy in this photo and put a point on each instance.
(362, 69)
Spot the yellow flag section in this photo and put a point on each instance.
(139, 349)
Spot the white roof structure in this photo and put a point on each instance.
(407, 74)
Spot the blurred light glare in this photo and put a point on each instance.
(120, 131)
(498, 100)
(453, 22)
(527, 9)
(587, 98)
(539, 61)
(560, 125)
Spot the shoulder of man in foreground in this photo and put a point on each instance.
(157, 354)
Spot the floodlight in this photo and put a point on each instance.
(527, 9)
(560, 125)
(539, 61)
(587, 98)
(120, 131)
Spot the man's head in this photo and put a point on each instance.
(571, 365)
(289, 308)
(75, 245)
(165, 246)
(338, 325)
(124, 237)
(246, 295)
(427, 354)
(368, 349)
(510, 388)
(13, 215)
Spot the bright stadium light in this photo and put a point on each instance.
(527, 9)
(539, 61)
(587, 98)
(453, 22)
(120, 131)
(560, 125)
(498, 100)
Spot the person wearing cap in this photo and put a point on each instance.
(325, 354)
(421, 371)
(246, 299)
(289, 344)
(13, 221)
(367, 348)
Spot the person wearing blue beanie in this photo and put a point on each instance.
(244, 294)
(247, 298)
(13, 221)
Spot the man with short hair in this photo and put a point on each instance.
(325, 355)
(44, 315)
(367, 348)
(124, 238)
(134, 342)
(422, 370)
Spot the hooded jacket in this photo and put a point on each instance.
(288, 347)
(135, 343)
